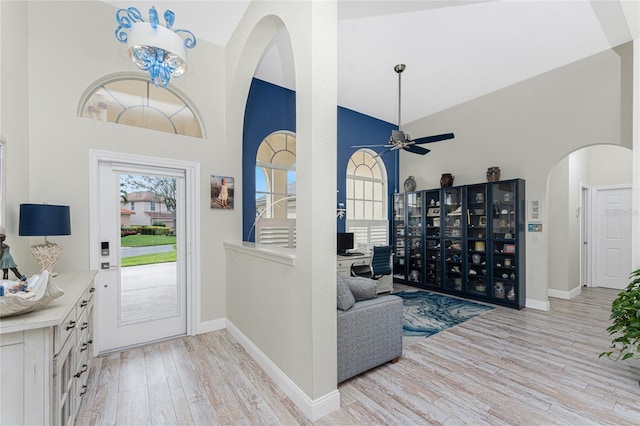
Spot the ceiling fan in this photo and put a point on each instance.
(402, 140)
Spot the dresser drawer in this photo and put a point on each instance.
(64, 330)
(84, 300)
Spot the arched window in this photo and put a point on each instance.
(276, 190)
(367, 198)
(134, 101)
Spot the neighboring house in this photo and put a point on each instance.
(147, 209)
(125, 217)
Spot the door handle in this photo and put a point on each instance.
(107, 265)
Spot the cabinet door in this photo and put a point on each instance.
(399, 237)
(433, 233)
(64, 370)
(415, 238)
(476, 221)
(504, 226)
(453, 230)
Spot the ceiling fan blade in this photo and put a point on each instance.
(371, 146)
(383, 152)
(417, 149)
(435, 138)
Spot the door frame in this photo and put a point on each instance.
(586, 231)
(593, 206)
(192, 224)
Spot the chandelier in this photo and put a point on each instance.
(154, 48)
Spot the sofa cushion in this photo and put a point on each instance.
(362, 288)
(345, 297)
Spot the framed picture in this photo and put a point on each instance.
(436, 221)
(482, 221)
(509, 248)
(433, 212)
(222, 192)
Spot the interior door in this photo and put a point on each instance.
(613, 237)
(141, 299)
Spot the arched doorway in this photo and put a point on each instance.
(575, 256)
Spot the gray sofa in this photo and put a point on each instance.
(369, 334)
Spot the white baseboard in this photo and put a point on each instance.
(537, 304)
(313, 409)
(562, 294)
(211, 325)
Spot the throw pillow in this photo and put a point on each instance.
(362, 288)
(345, 297)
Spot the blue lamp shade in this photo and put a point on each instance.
(42, 220)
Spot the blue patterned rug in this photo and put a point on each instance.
(426, 313)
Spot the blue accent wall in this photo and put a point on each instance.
(272, 108)
(355, 128)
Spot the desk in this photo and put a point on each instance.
(344, 263)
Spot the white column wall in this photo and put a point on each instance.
(289, 312)
(636, 156)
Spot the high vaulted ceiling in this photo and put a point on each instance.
(455, 50)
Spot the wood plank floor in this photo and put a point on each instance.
(506, 367)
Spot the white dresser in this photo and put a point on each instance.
(45, 356)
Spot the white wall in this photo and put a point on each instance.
(14, 122)
(68, 46)
(289, 312)
(558, 231)
(524, 129)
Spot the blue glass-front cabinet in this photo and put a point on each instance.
(415, 237)
(399, 238)
(432, 234)
(464, 240)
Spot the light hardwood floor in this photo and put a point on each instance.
(506, 367)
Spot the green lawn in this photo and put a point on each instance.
(147, 240)
(148, 259)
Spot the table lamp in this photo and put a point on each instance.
(43, 220)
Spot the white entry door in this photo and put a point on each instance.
(142, 279)
(612, 237)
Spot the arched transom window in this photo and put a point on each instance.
(367, 198)
(134, 101)
(276, 190)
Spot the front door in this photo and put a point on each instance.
(613, 237)
(142, 242)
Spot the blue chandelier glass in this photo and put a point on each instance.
(154, 48)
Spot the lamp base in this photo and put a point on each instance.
(47, 255)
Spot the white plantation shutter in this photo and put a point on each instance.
(369, 232)
(278, 232)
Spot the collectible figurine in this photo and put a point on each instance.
(6, 260)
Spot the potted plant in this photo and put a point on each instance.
(625, 314)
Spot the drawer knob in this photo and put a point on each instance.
(84, 326)
(84, 390)
(85, 367)
(84, 347)
(71, 325)
(84, 303)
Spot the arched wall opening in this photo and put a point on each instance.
(570, 186)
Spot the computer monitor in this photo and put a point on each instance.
(345, 242)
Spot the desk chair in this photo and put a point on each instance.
(380, 264)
